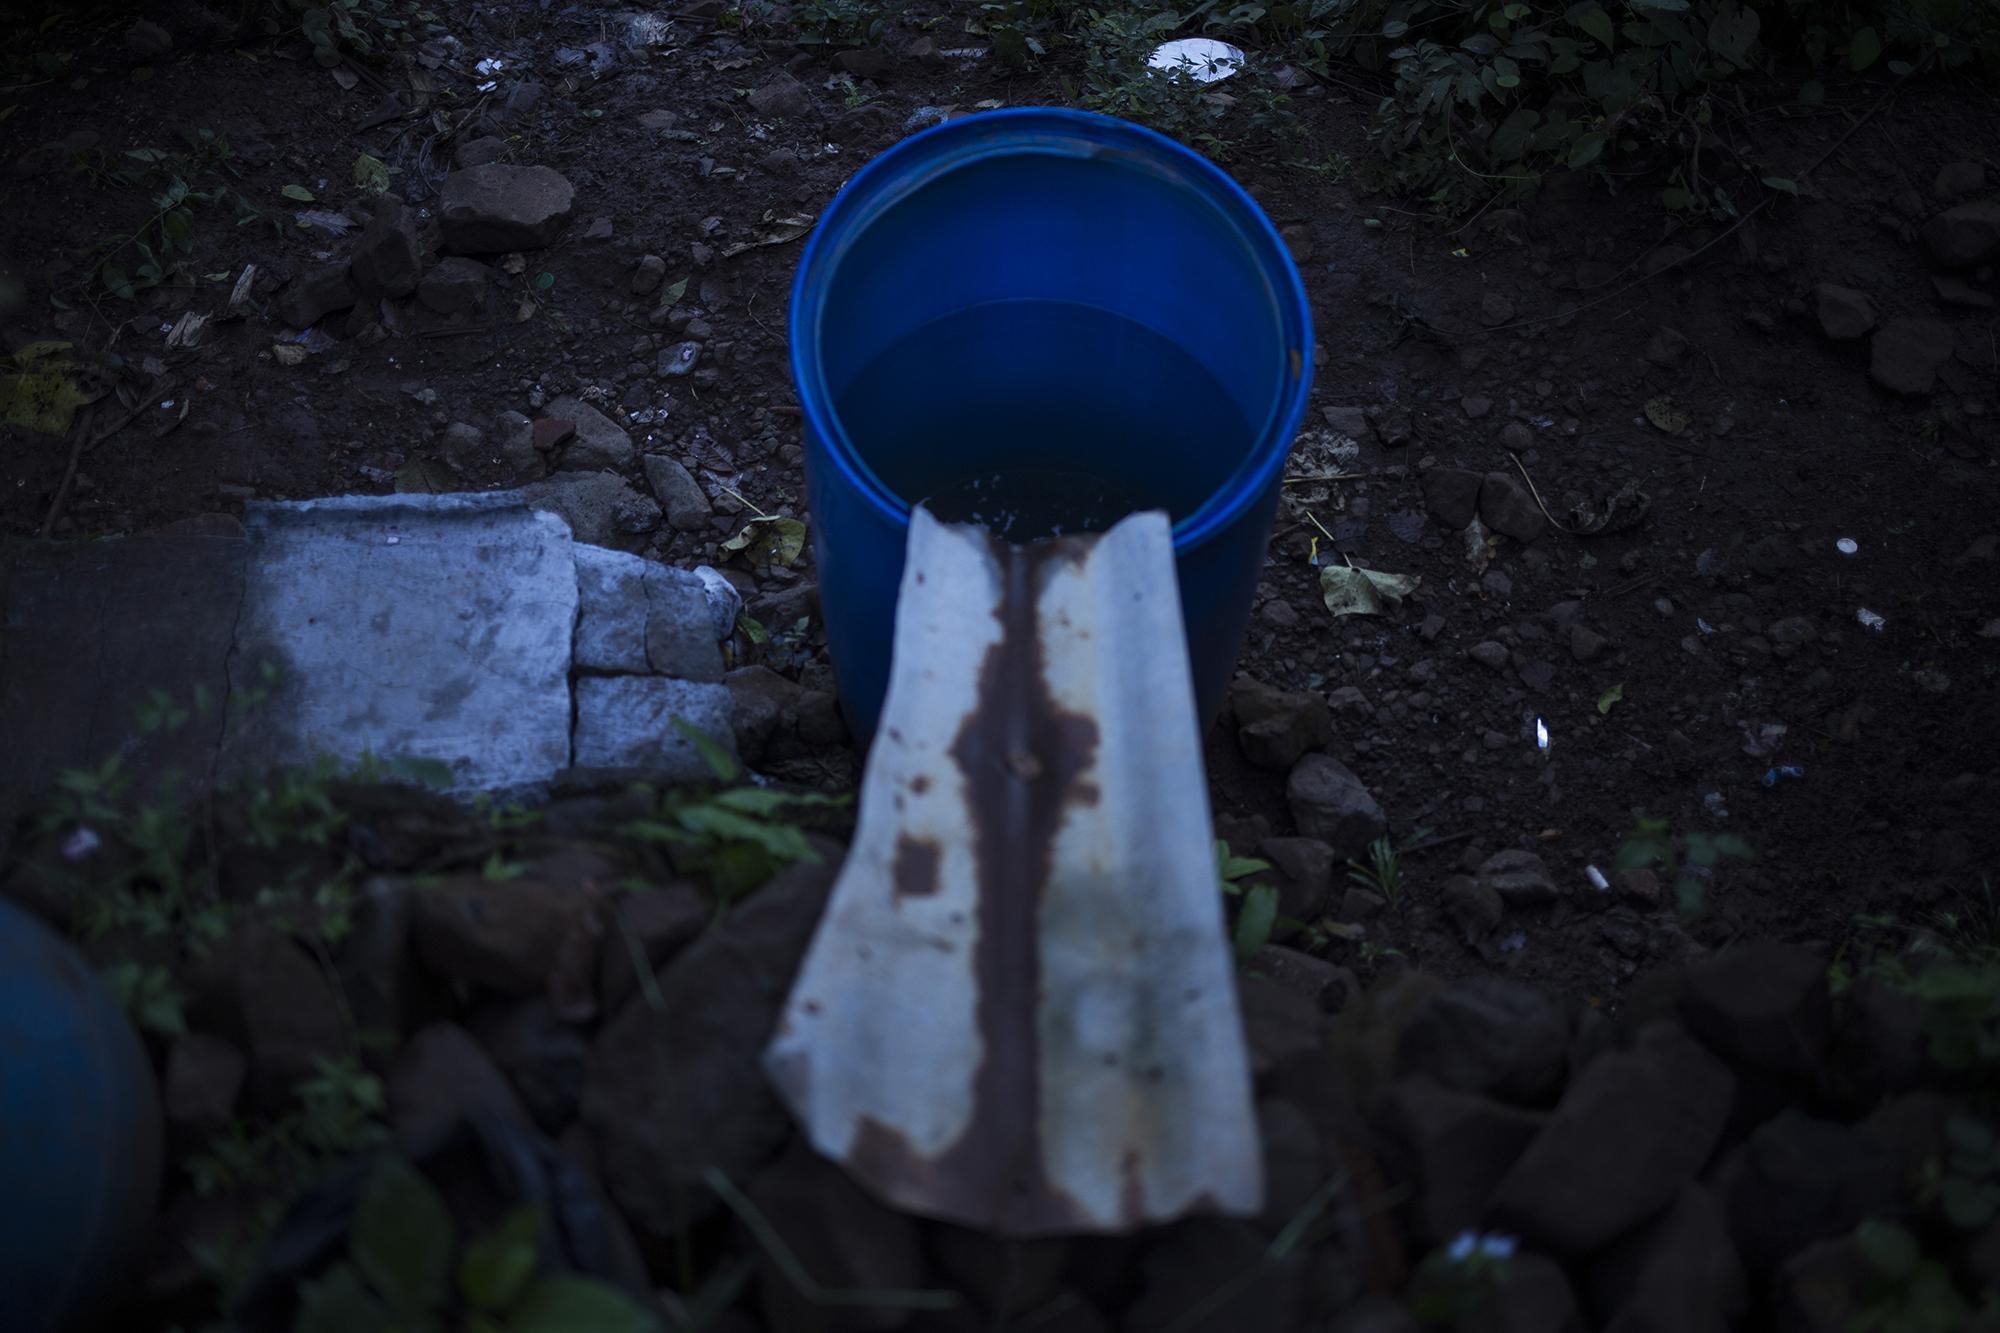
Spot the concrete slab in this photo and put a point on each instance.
(628, 722)
(438, 628)
(643, 618)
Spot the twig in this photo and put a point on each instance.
(1429, 843)
(1559, 527)
(76, 452)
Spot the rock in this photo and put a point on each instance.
(1800, 1180)
(1489, 1036)
(1329, 803)
(1004, 1276)
(1394, 426)
(204, 1077)
(1325, 984)
(1823, 1288)
(1452, 496)
(1474, 907)
(1191, 1280)
(478, 152)
(504, 935)
(1495, 309)
(1476, 407)
(640, 617)
(1667, 347)
(1294, 1165)
(550, 433)
(1954, 290)
(628, 722)
(542, 1056)
(1375, 1313)
(673, 1091)
(678, 360)
(1304, 875)
(1349, 421)
(463, 446)
(650, 273)
(1586, 644)
(1631, 1130)
(1532, 1295)
(1358, 904)
(1452, 1148)
(1878, 1050)
(388, 260)
(457, 286)
(1280, 1023)
(865, 62)
(1506, 507)
(840, 1234)
(1844, 313)
(1964, 236)
(600, 507)
(1761, 1005)
(1276, 726)
(514, 441)
(267, 995)
(659, 120)
(496, 208)
(1519, 877)
(1489, 654)
(377, 964)
(600, 444)
(657, 922)
(146, 41)
(782, 96)
(315, 294)
(1955, 180)
(441, 1076)
(761, 703)
(680, 495)
(1677, 1273)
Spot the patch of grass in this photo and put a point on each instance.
(1383, 874)
(1690, 860)
(845, 23)
(337, 30)
(176, 183)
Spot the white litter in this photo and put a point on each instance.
(1847, 546)
(1596, 878)
(1202, 59)
(1541, 734)
(1870, 619)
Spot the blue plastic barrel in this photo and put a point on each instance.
(79, 1135)
(1054, 296)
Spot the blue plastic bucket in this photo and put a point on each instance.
(1060, 293)
(80, 1125)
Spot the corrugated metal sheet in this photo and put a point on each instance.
(1018, 1012)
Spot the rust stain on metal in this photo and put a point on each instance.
(917, 860)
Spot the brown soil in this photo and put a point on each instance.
(1525, 327)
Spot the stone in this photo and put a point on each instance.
(542, 1057)
(680, 495)
(600, 444)
(267, 994)
(1476, 407)
(673, 1091)
(203, 1079)
(1878, 1049)
(1823, 1288)
(1492, 1037)
(1452, 1149)
(761, 703)
(1519, 877)
(840, 1234)
(1495, 309)
(514, 441)
(1506, 507)
(650, 273)
(678, 360)
(1190, 1279)
(1349, 421)
(1964, 236)
(1799, 1180)
(655, 923)
(629, 722)
(1844, 313)
(315, 294)
(1329, 803)
(478, 152)
(1452, 496)
(1955, 180)
(1680, 1272)
(1667, 347)
(146, 41)
(659, 120)
(1303, 872)
(640, 617)
(456, 286)
(1004, 1276)
(388, 260)
(441, 1076)
(552, 432)
(601, 508)
(865, 62)
(1294, 1163)
(1531, 1295)
(1585, 644)
(463, 446)
(505, 935)
(1276, 726)
(1761, 1005)
(782, 96)
(1476, 908)
(1280, 1023)
(497, 208)
(1954, 290)
(1491, 655)
(1325, 984)
(377, 963)
(1632, 1129)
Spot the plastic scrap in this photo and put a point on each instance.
(1597, 880)
(1847, 546)
(1202, 59)
(1771, 775)
(1870, 620)
(1712, 802)
(1541, 735)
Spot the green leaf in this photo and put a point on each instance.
(1586, 150)
(1782, 184)
(298, 192)
(1597, 23)
(1508, 73)
(1733, 33)
(567, 1303)
(1970, 1204)
(1255, 919)
(1863, 50)
(713, 753)
(496, 1267)
(338, 1303)
(770, 540)
(1241, 867)
(544, 281)
(402, 1238)
(1609, 698)
(673, 294)
(1676, 198)
(753, 628)
(371, 174)
(1349, 590)
(1892, 1251)
(1812, 93)
(1969, 1135)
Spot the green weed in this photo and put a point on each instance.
(1691, 860)
(1383, 874)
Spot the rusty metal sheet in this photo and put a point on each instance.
(1018, 1012)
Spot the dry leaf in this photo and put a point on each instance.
(777, 230)
(1349, 590)
(770, 540)
(42, 394)
(288, 354)
(1667, 415)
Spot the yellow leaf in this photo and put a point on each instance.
(42, 394)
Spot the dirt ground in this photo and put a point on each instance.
(1720, 664)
